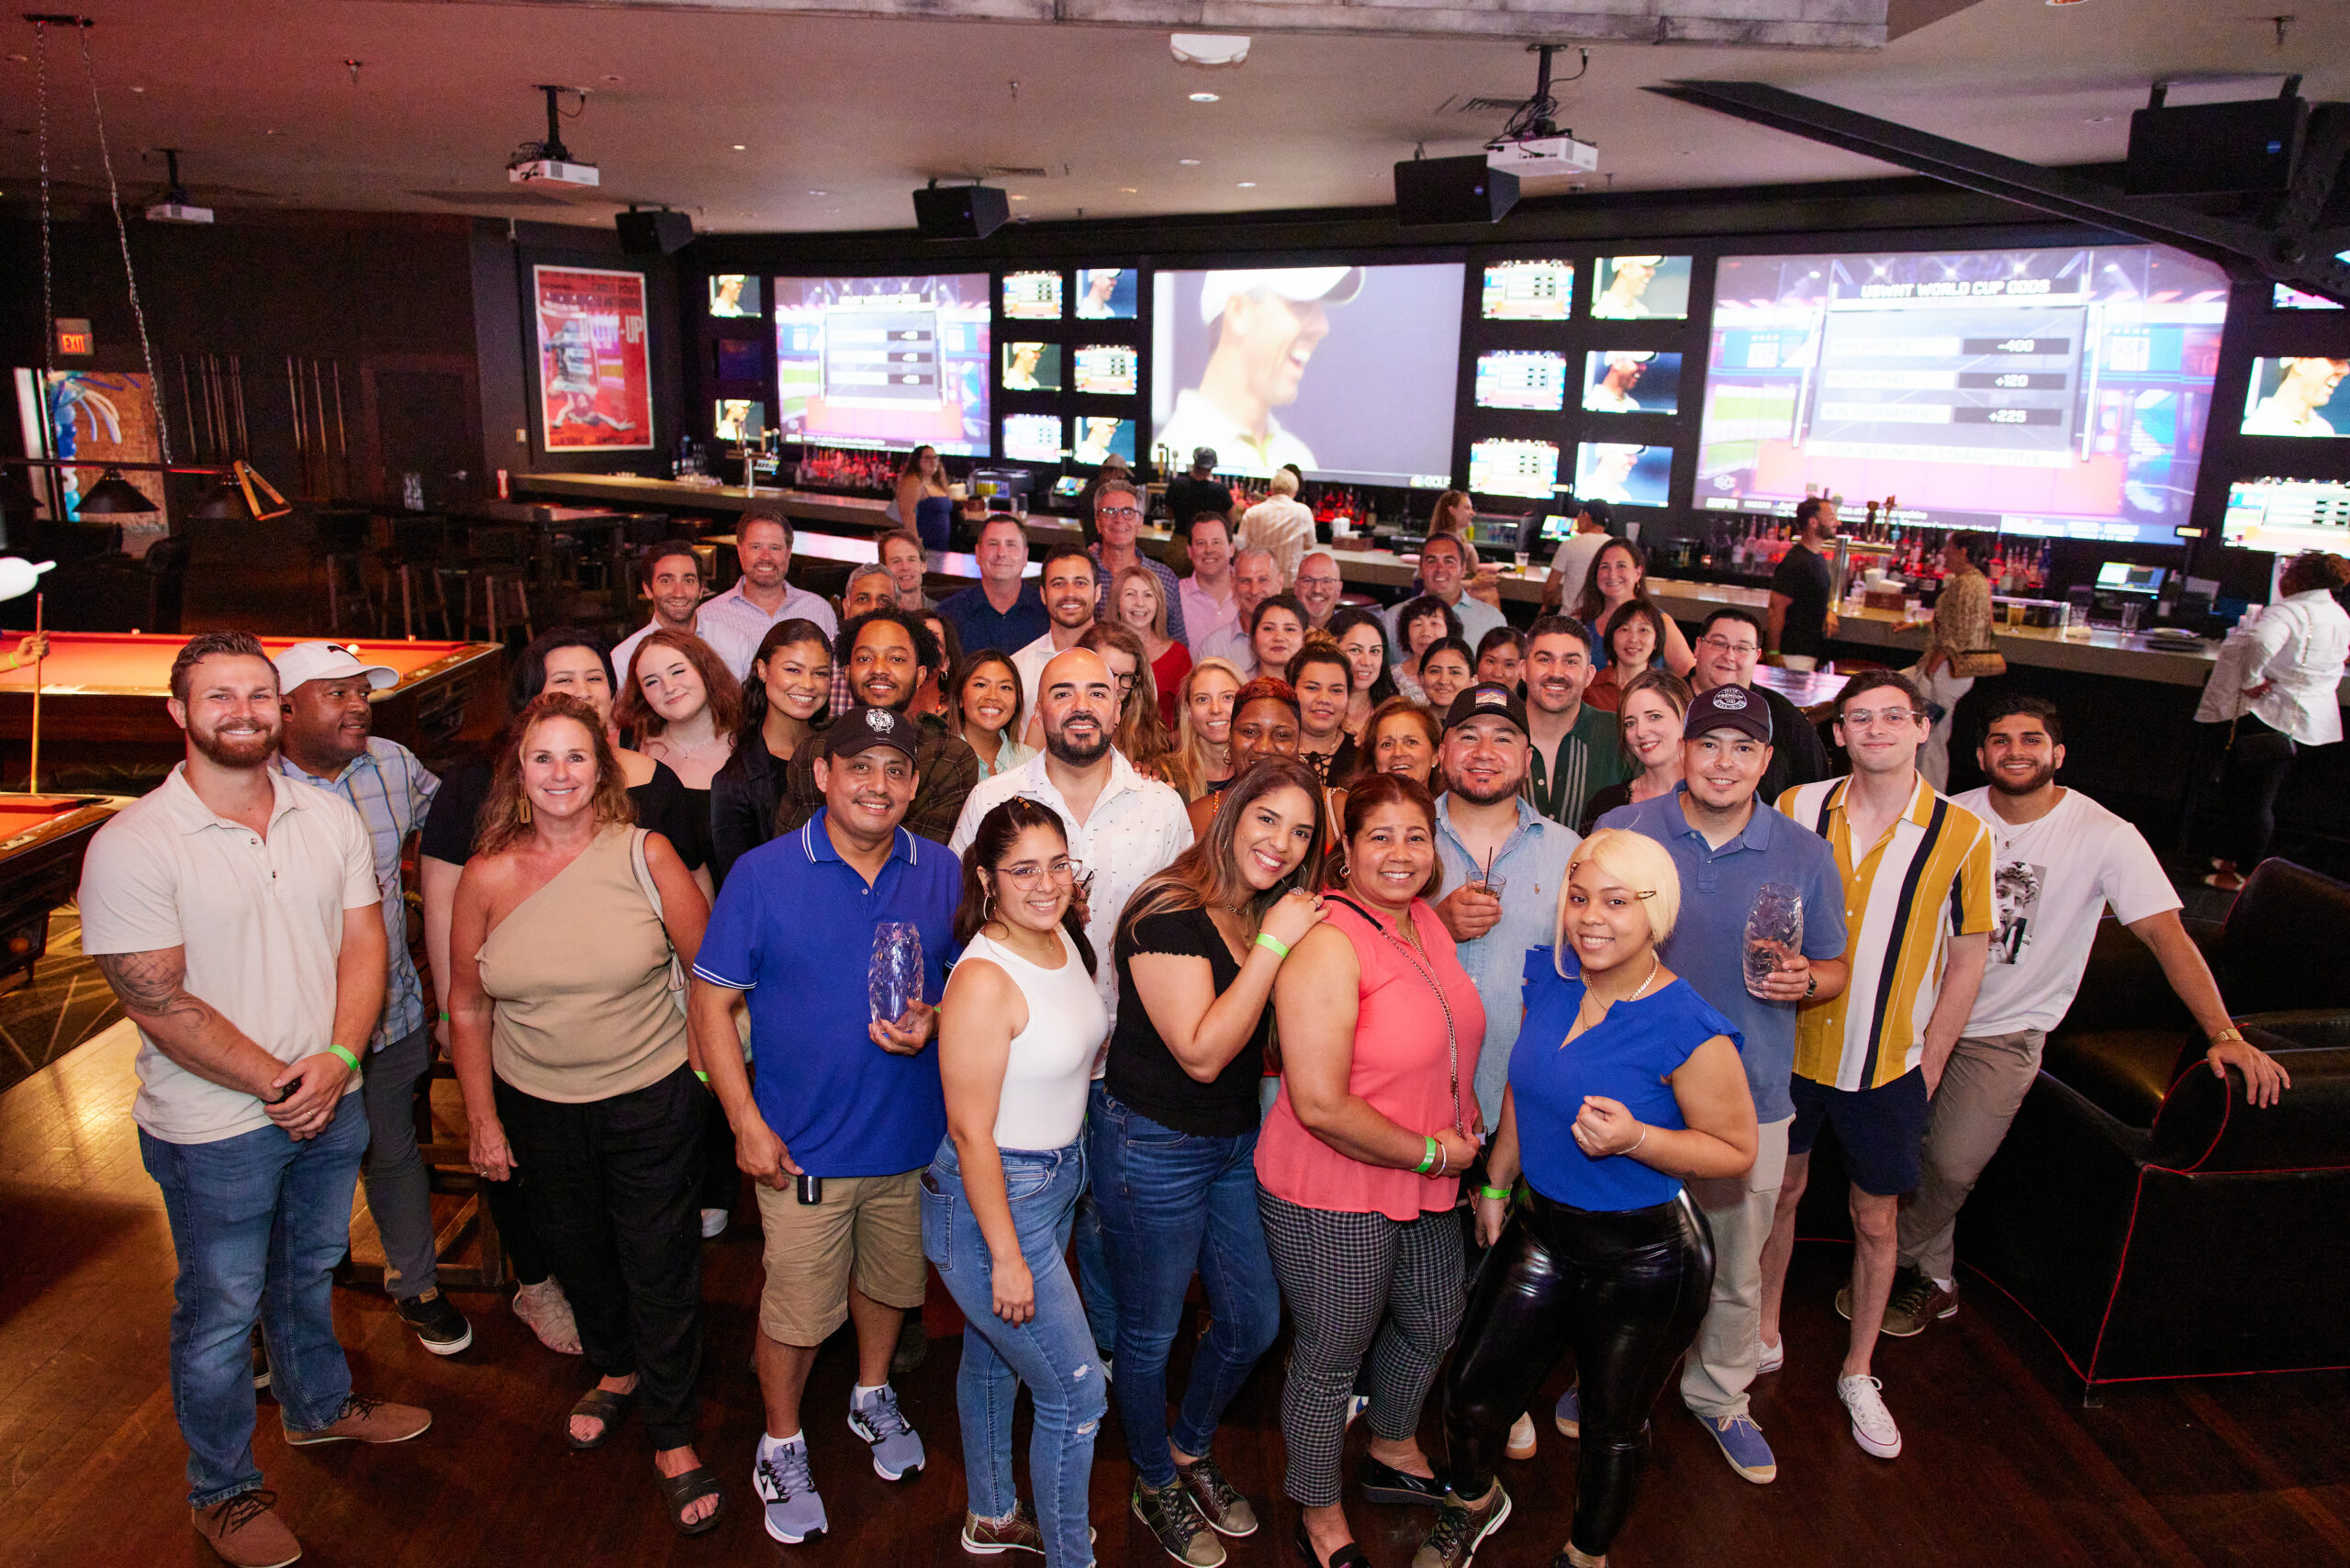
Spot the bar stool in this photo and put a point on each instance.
(339, 543)
(411, 564)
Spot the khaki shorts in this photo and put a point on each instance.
(867, 1229)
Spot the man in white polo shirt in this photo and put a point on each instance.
(236, 915)
(761, 596)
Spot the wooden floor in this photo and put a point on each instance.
(2003, 1466)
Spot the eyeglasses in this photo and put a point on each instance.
(1116, 511)
(1331, 581)
(1863, 718)
(1724, 645)
(1028, 874)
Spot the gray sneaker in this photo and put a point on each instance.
(794, 1511)
(1174, 1518)
(1460, 1530)
(896, 1447)
(1218, 1500)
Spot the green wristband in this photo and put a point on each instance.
(700, 1074)
(1427, 1160)
(1272, 944)
(348, 1060)
(1499, 1194)
(444, 1017)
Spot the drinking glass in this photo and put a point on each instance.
(894, 978)
(1773, 932)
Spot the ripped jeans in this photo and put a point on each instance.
(1052, 1352)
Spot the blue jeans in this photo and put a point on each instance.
(1093, 1280)
(1052, 1352)
(1173, 1204)
(258, 1221)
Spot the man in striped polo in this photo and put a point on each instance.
(1917, 875)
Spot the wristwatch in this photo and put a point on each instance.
(1810, 986)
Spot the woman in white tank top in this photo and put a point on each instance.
(1019, 1028)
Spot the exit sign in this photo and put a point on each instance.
(74, 338)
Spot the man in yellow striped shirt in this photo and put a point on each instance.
(1916, 873)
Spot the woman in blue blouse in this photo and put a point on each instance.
(1623, 1083)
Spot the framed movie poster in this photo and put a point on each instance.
(594, 365)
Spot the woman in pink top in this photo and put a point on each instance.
(1358, 1165)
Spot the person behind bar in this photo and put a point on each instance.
(237, 917)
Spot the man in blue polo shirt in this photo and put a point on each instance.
(1726, 846)
(846, 1111)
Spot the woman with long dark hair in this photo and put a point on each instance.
(1362, 637)
(1619, 575)
(1018, 1028)
(1634, 632)
(925, 502)
(1623, 1084)
(569, 924)
(1174, 1150)
(1358, 1165)
(783, 703)
(984, 705)
(1142, 737)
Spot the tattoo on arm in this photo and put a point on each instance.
(154, 985)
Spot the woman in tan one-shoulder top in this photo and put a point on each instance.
(574, 1056)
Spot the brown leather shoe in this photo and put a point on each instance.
(246, 1531)
(365, 1420)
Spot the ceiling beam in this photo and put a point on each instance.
(2283, 255)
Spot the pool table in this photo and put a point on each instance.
(43, 840)
(104, 726)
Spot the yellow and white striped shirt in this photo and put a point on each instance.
(1927, 879)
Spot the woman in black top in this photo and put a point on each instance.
(1172, 1149)
(783, 701)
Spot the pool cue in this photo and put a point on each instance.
(32, 772)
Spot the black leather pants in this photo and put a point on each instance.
(1624, 1291)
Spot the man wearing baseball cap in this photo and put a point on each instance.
(853, 1103)
(1198, 490)
(1265, 323)
(324, 741)
(1727, 845)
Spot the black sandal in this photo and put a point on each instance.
(599, 1405)
(1347, 1556)
(684, 1491)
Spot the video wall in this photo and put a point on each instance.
(2065, 391)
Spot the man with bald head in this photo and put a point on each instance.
(1318, 587)
(1123, 828)
(1254, 578)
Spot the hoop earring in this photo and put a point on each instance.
(523, 816)
(986, 903)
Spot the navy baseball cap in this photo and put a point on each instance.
(1486, 697)
(1729, 707)
(863, 728)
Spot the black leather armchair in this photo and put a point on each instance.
(2153, 1222)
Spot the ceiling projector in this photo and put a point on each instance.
(1538, 156)
(522, 171)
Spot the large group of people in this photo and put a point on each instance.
(1190, 926)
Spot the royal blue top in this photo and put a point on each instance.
(1626, 1057)
(793, 927)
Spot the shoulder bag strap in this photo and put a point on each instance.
(1420, 966)
(644, 870)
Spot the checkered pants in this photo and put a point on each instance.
(1349, 1279)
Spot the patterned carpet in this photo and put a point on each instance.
(64, 1003)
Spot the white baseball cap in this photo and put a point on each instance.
(328, 661)
(1331, 286)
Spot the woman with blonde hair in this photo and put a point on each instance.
(1204, 727)
(1623, 1085)
(1138, 603)
(1648, 726)
(570, 927)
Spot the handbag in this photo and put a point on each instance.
(1978, 663)
(652, 896)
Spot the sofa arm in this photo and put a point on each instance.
(2206, 1126)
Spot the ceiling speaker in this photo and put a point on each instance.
(1452, 190)
(960, 212)
(662, 233)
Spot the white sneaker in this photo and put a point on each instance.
(548, 1311)
(1873, 1426)
(1774, 1358)
(1521, 1439)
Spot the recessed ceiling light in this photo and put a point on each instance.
(1189, 163)
(139, 89)
(740, 148)
(1206, 97)
(1248, 184)
(269, 133)
(1129, 190)
(1019, 198)
(820, 193)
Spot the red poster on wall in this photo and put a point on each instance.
(595, 374)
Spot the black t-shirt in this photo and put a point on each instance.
(1144, 1074)
(1796, 754)
(662, 804)
(1187, 498)
(1803, 576)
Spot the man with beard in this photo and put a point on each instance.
(673, 580)
(2080, 858)
(1318, 587)
(1728, 846)
(324, 742)
(1729, 646)
(1071, 596)
(762, 596)
(236, 915)
(1122, 829)
(1611, 393)
(1574, 749)
(888, 653)
(869, 589)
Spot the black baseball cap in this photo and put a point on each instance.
(1729, 707)
(863, 728)
(1486, 697)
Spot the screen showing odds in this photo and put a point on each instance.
(2060, 392)
(894, 361)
